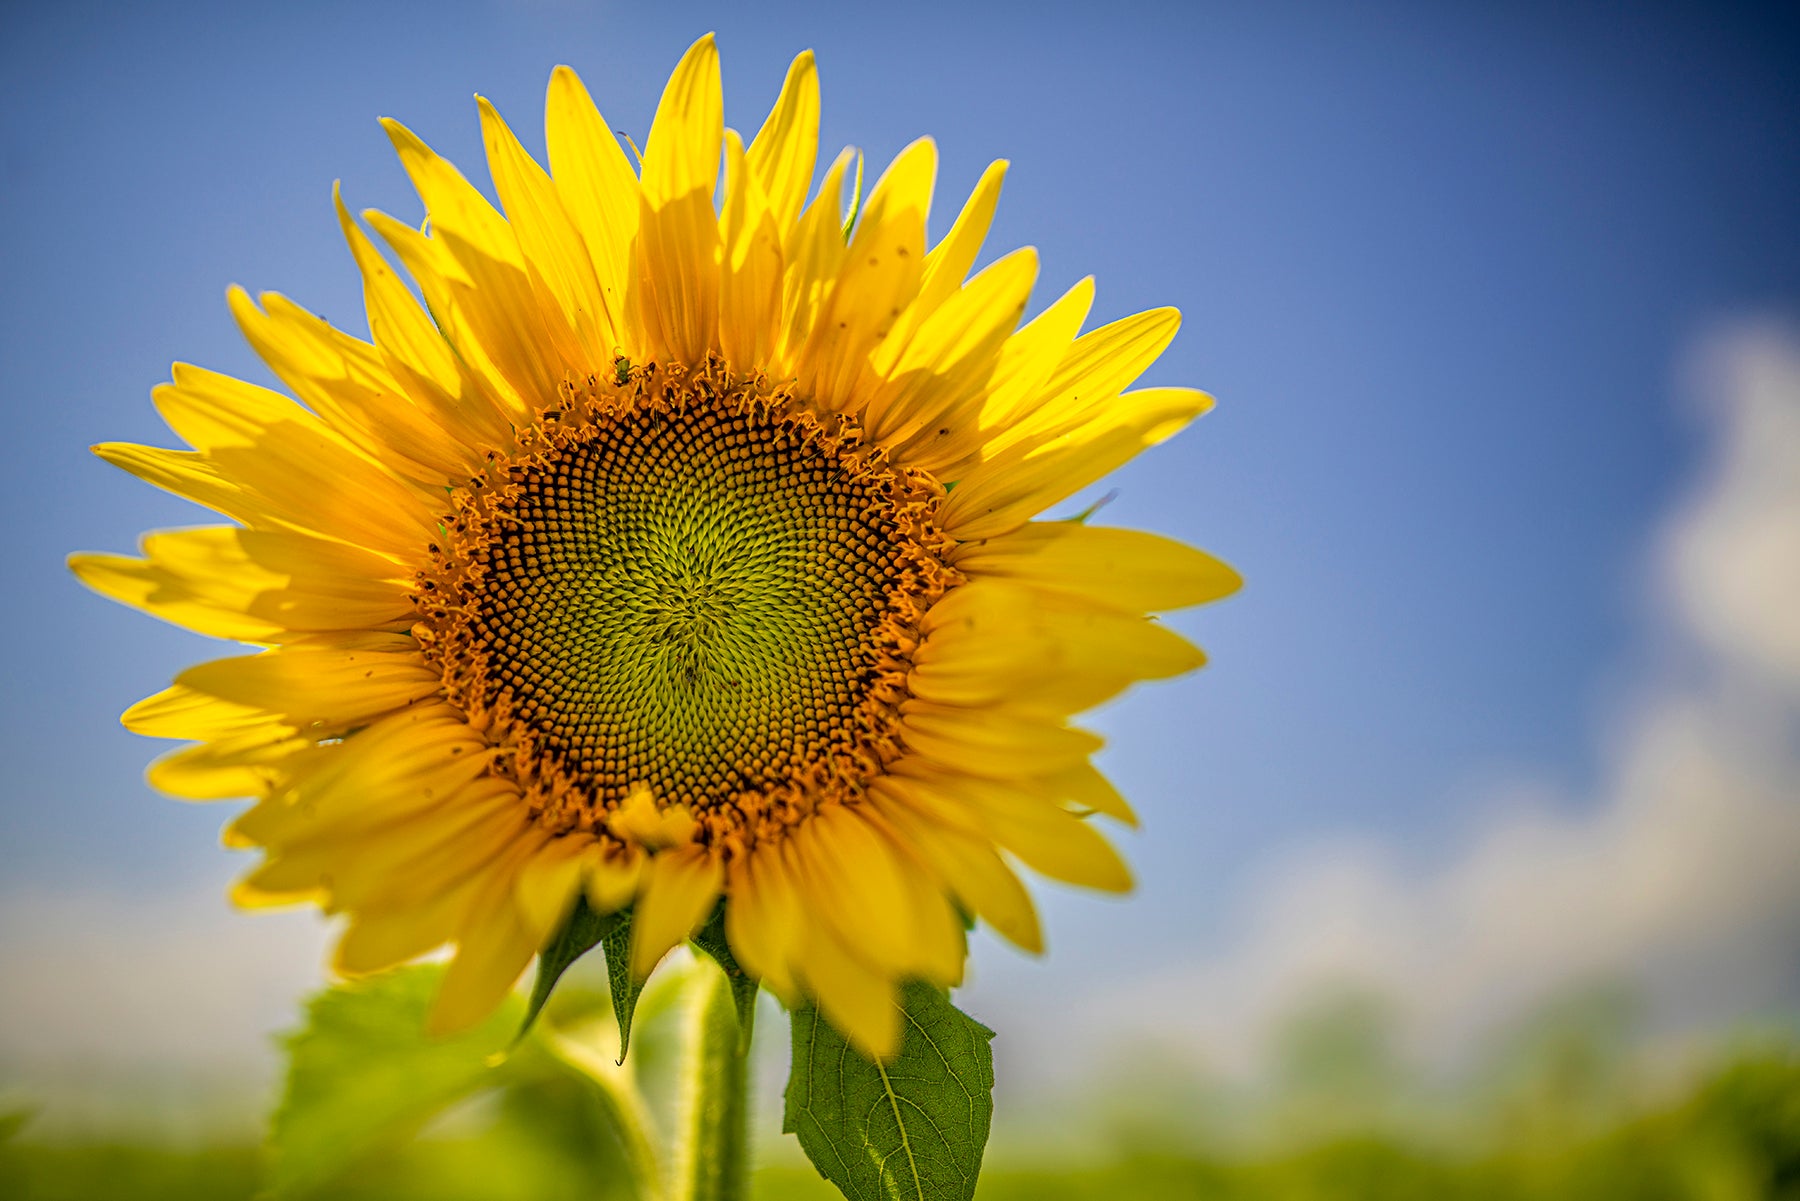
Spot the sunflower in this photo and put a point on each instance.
(674, 551)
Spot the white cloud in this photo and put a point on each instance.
(1680, 876)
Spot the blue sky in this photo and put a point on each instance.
(1440, 265)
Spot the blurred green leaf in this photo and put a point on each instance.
(13, 1120)
(363, 1074)
(579, 934)
(912, 1130)
(711, 939)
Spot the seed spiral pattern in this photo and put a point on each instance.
(691, 587)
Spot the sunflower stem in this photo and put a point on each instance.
(622, 1104)
(713, 1159)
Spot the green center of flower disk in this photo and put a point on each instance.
(704, 594)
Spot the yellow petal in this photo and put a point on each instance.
(598, 187)
(1032, 354)
(641, 820)
(1046, 837)
(1128, 569)
(299, 470)
(966, 865)
(1006, 491)
(549, 883)
(949, 262)
(994, 742)
(612, 875)
(398, 864)
(403, 331)
(240, 765)
(929, 414)
(335, 688)
(851, 878)
(448, 288)
(1095, 369)
(252, 585)
(682, 154)
(993, 642)
(411, 763)
(552, 245)
(678, 247)
(188, 475)
(515, 319)
(751, 268)
(180, 712)
(350, 384)
(491, 954)
(858, 1000)
(679, 890)
(814, 253)
(786, 148)
(763, 920)
(379, 939)
(1086, 787)
(879, 278)
(144, 585)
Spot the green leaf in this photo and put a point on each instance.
(616, 946)
(711, 939)
(856, 199)
(363, 1074)
(912, 1130)
(578, 935)
(1082, 517)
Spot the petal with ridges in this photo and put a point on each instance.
(1046, 837)
(518, 323)
(762, 920)
(949, 262)
(598, 187)
(856, 998)
(251, 585)
(880, 276)
(679, 889)
(551, 244)
(350, 385)
(332, 687)
(1005, 492)
(491, 954)
(993, 742)
(853, 879)
(445, 284)
(1128, 569)
(930, 413)
(1097, 367)
(750, 268)
(239, 765)
(967, 866)
(786, 148)
(1033, 353)
(383, 938)
(1000, 643)
(1086, 787)
(676, 271)
(814, 254)
(180, 712)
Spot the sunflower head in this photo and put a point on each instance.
(676, 552)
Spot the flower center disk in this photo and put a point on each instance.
(698, 590)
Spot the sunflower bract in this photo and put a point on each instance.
(670, 551)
